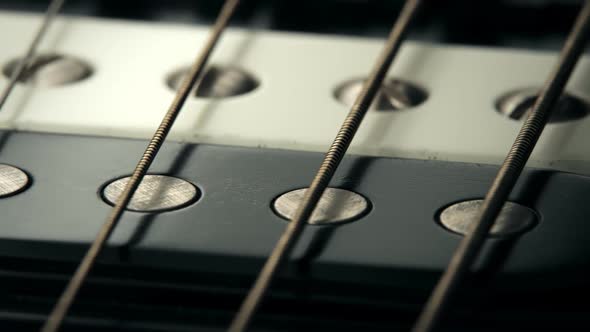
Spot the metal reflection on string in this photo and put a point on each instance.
(68, 296)
(508, 174)
(52, 11)
(327, 169)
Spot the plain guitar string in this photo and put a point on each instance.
(507, 176)
(469, 247)
(327, 169)
(196, 71)
(23, 64)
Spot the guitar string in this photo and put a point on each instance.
(327, 169)
(50, 14)
(507, 176)
(69, 294)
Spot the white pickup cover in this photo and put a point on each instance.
(294, 107)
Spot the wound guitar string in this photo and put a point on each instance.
(327, 169)
(508, 175)
(196, 71)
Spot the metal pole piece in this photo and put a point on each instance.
(68, 296)
(50, 14)
(326, 171)
(507, 176)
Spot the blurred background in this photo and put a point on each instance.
(532, 24)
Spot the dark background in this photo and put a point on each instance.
(536, 24)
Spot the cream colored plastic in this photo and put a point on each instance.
(294, 107)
